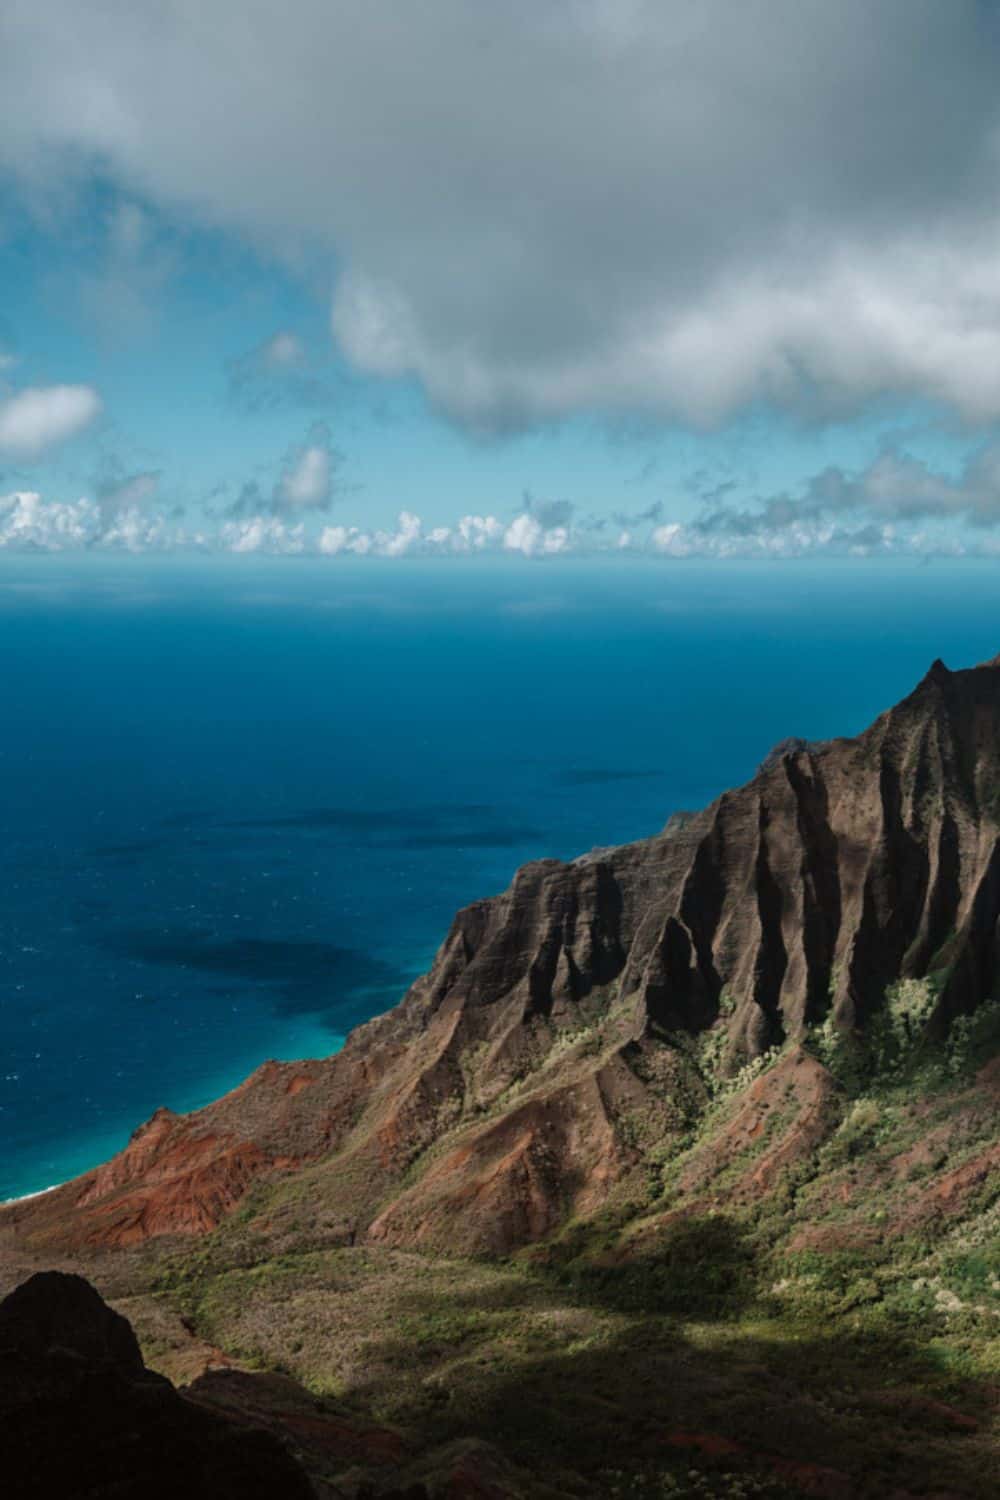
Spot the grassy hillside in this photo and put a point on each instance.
(829, 1325)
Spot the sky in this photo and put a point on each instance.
(681, 279)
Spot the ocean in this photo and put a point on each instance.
(240, 801)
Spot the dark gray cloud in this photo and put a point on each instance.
(672, 209)
(549, 513)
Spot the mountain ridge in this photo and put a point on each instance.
(562, 1031)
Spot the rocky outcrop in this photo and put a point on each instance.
(563, 1027)
(82, 1418)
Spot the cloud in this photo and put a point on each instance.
(549, 513)
(775, 530)
(475, 533)
(306, 482)
(644, 517)
(667, 210)
(527, 535)
(282, 351)
(407, 536)
(119, 294)
(262, 534)
(37, 418)
(29, 522)
(276, 374)
(802, 539)
(895, 488)
(118, 492)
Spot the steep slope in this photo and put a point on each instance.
(574, 1025)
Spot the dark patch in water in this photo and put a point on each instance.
(127, 851)
(302, 978)
(386, 820)
(187, 819)
(599, 777)
(474, 838)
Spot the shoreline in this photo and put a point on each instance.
(208, 1093)
(26, 1197)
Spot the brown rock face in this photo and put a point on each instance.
(540, 1056)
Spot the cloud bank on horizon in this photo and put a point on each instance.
(671, 221)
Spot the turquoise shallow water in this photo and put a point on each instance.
(239, 805)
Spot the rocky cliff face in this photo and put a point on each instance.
(564, 1027)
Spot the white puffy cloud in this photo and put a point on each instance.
(473, 533)
(672, 208)
(37, 418)
(336, 539)
(262, 534)
(333, 539)
(526, 534)
(405, 538)
(305, 484)
(27, 520)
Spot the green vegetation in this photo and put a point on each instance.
(901, 1046)
(843, 1320)
(714, 1363)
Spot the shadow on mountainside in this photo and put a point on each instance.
(582, 1369)
(688, 1384)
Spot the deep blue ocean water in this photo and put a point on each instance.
(239, 804)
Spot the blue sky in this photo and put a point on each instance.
(667, 279)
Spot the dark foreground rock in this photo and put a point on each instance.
(81, 1418)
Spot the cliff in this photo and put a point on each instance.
(578, 1022)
